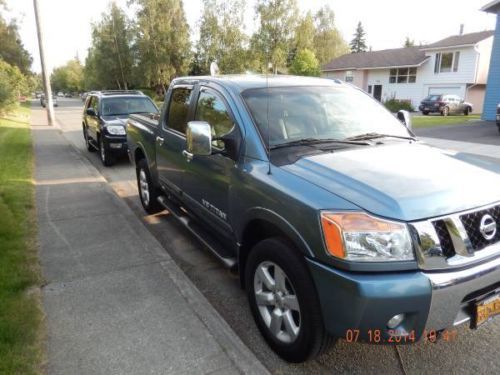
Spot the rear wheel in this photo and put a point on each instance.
(284, 302)
(445, 111)
(425, 113)
(107, 158)
(466, 111)
(148, 193)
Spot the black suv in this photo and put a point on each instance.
(104, 120)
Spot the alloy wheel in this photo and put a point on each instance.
(277, 302)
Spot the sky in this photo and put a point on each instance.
(66, 23)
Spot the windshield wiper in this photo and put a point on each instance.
(368, 136)
(312, 141)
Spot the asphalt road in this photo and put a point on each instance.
(471, 352)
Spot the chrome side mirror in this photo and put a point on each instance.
(404, 117)
(199, 138)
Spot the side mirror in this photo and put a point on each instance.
(199, 138)
(404, 117)
(91, 112)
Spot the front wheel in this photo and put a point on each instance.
(466, 111)
(445, 111)
(106, 158)
(147, 191)
(425, 113)
(284, 301)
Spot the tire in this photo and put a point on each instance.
(88, 145)
(148, 193)
(301, 334)
(107, 158)
(466, 111)
(425, 113)
(445, 112)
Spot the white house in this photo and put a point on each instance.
(455, 65)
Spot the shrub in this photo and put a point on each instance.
(12, 84)
(395, 105)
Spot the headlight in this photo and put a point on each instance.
(356, 236)
(116, 130)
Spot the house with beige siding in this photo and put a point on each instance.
(455, 65)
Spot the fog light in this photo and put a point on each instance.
(115, 145)
(395, 321)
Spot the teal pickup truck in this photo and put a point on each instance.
(340, 222)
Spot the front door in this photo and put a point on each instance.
(208, 178)
(92, 121)
(171, 139)
(377, 92)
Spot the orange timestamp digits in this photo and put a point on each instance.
(377, 336)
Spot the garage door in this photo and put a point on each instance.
(452, 90)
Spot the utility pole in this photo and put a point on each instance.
(45, 74)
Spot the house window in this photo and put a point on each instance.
(403, 75)
(446, 62)
(349, 77)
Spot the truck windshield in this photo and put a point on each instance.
(318, 113)
(127, 105)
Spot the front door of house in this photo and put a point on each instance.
(377, 92)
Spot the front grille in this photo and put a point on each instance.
(472, 221)
(444, 238)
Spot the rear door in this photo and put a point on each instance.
(171, 139)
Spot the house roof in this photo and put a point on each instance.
(492, 7)
(410, 56)
(461, 40)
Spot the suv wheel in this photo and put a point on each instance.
(147, 192)
(425, 113)
(106, 156)
(466, 111)
(283, 301)
(445, 111)
(89, 146)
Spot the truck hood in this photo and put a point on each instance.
(404, 181)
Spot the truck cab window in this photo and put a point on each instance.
(211, 108)
(178, 110)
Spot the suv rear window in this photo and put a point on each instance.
(178, 109)
(120, 106)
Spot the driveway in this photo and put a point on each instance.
(470, 353)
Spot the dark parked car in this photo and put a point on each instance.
(445, 105)
(43, 103)
(339, 221)
(104, 118)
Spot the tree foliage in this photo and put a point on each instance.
(222, 38)
(162, 46)
(110, 59)
(68, 78)
(12, 50)
(273, 39)
(358, 43)
(409, 42)
(12, 84)
(305, 63)
(328, 41)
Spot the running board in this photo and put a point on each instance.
(201, 234)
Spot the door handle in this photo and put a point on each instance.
(160, 140)
(188, 155)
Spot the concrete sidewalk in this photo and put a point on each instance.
(115, 301)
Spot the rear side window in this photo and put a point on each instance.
(178, 109)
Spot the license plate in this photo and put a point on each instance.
(487, 309)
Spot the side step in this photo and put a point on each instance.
(200, 233)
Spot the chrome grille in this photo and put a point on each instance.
(444, 238)
(472, 221)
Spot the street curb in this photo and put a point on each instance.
(241, 356)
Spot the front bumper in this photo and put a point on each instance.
(116, 143)
(430, 301)
(429, 108)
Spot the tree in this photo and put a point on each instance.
(272, 41)
(69, 77)
(110, 59)
(328, 42)
(163, 46)
(358, 44)
(221, 37)
(12, 84)
(305, 64)
(409, 42)
(12, 50)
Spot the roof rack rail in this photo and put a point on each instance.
(111, 92)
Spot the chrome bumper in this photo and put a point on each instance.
(449, 290)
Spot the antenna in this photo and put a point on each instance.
(268, 66)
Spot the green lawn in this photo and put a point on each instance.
(20, 309)
(420, 121)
